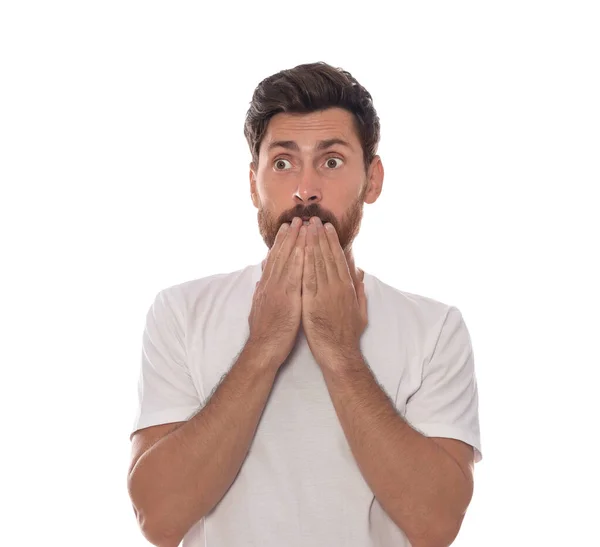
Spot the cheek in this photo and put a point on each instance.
(342, 201)
(272, 205)
(274, 197)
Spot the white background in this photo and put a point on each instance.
(124, 170)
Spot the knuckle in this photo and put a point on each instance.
(292, 285)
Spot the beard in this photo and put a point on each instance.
(347, 228)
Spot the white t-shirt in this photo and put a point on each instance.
(299, 484)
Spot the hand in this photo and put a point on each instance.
(334, 306)
(276, 312)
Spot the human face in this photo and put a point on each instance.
(301, 174)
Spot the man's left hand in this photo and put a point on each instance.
(334, 305)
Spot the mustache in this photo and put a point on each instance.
(310, 211)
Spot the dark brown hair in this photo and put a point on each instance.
(309, 88)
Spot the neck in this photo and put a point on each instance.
(356, 273)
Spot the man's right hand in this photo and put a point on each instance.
(276, 311)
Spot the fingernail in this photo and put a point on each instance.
(295, 222)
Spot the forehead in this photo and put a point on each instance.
(306, 129)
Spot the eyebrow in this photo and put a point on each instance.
(321, 145)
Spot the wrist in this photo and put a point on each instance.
(256, 352)
(338, 358)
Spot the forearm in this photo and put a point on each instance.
(185, 474)
(418, 484)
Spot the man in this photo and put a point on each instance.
(301, 401)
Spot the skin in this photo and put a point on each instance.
(334, 305)
(309, 182)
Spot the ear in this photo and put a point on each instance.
(253, 192)
(375, 182)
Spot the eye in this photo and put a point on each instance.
(278, 163)
(330, 162)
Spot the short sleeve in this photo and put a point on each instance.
(447, 403)
(166, 391)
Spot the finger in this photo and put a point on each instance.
(309, 278)
(295, 271)
(279, 239)
(338, 253)
(301, 241)
(319, 262)
(328, 258)
(281, 260)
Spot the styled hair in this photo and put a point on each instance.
(310, 88)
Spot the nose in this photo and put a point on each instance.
(308, 190)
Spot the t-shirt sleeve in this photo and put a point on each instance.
(447, 403)
(166, 391)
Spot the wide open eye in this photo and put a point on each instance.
(329, 161)
(278, 164)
